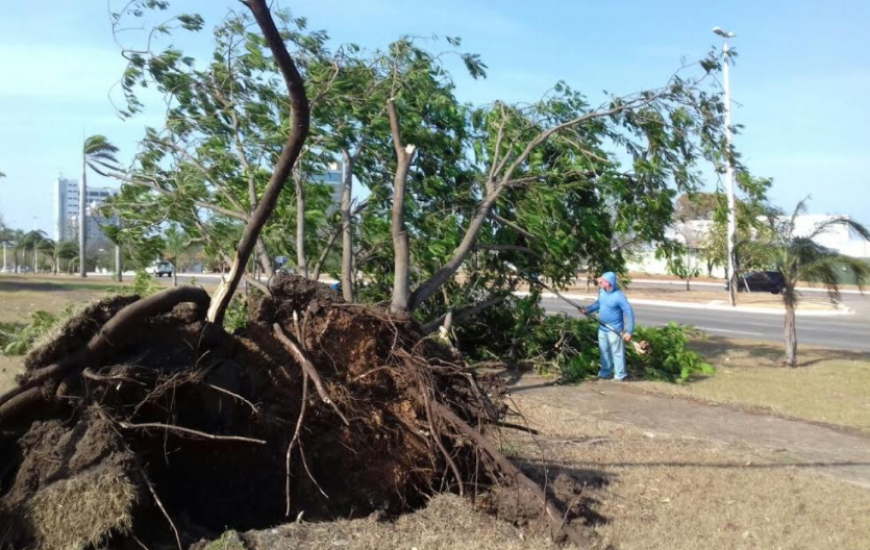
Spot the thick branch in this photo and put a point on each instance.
(299, 131)
(301, 257)
(346, 225)
(511, 224)
(463, 314)
(401, 302)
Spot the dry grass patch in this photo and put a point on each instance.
(829, 386)
(21, 296)
(448, 523)
(10, 367)
(672, 493)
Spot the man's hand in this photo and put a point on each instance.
(583, 311)
(626, 337)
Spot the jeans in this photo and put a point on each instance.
(612, 350)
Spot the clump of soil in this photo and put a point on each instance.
(157, 427)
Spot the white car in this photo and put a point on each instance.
(160, 269)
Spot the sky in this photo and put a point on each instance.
(800, 85)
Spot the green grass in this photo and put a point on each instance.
(829, 386)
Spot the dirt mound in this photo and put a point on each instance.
(317, 407)
(75, 485)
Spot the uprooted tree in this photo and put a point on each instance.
(145, 412)
(462, 199)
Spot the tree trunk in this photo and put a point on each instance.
(790, 330)
(283, 167)
(346, 228)
(401, 302)
(301, 257)
(83, 233)
(119, 268)
(265, 260)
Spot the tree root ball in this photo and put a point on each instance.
(173, 430)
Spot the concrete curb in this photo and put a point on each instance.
(707, 306)
(722, 285)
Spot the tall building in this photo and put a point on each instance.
(332, 178)
(66, 200)
(67, 210)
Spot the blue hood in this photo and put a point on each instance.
(610, 277)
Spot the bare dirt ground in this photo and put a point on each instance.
(842, 455)
(680, 485)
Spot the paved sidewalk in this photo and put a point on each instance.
(840, 454)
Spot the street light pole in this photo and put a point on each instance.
(35, 252)
(729, 168)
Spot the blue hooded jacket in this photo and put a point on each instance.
(613, 307)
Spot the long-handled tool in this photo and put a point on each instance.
(642, 347)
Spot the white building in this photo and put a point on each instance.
(67, 209)
(693, 233)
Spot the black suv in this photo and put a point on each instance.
(760, 281)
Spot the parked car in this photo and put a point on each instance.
(159, 269)
(759, 281)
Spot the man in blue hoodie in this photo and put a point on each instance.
(614, 311)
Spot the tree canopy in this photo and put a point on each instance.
(483, 191)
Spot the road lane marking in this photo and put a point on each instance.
(711, 329)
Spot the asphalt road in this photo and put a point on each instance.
(841, 332)
(850, 332)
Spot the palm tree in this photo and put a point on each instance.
(67, 250)
(7, 240)
(97, 154)
(14, 236)
(31, 241)
(49, 248)
(800, 258)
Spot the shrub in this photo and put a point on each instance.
(519, 332)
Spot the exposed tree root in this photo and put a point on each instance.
(216, 421)
(555, 518)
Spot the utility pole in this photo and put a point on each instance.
(729, 168)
